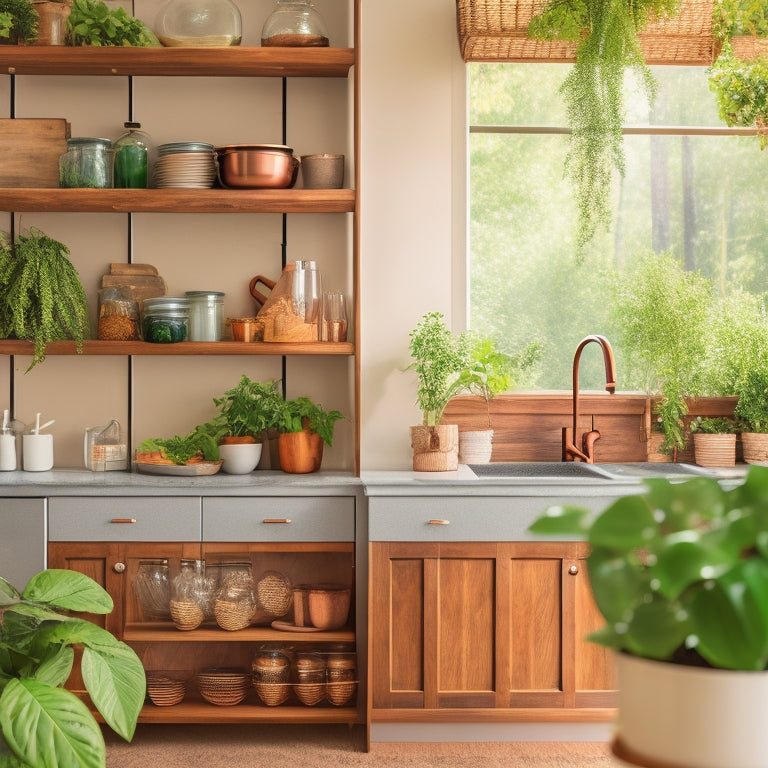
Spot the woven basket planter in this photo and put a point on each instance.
(497, 30)
(714, 450)
(435, 449)
(755, 447)
(186, 614)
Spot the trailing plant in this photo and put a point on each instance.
(18, 17)
(43, 724)
(91, 22)
(739, 17)
(679, 573)
(606, 33)
(439, 357)
(662, 314)
(41, 296)
(489, 371)
(718, 425)
(301, 413)
(751, 410)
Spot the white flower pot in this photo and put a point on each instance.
(690, 717)
(240, 458)
(475, 447)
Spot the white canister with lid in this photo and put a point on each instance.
(206, 315)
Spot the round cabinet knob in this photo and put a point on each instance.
(119, 567)
(573, 570)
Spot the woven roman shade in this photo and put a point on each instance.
(497, 30)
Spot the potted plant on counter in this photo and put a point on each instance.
(43, 724)
(751, 411)
(18, 22)
(439, 357)
(304, 428)
(680, 575)
(92, 22)
(714, 441)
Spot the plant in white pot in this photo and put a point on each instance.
(680, 575)
(488, 373)
(439, 357)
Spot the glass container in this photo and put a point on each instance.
(206, 315)
(271, 677)
(164, 319)
(11, 433)
(88, 162)
(105, 448)
(118, 314)
(235, 603)
(196, 23)
(152, 589)
(294, 23)
(191, 595)
(341, 676)
(131, 158)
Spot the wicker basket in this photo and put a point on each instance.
(270, 677)
(165, 690)
(233, 616)
(497, 30)
(274, 593)
(186, 614)
(224, 688)
(309, 673)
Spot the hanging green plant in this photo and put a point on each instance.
(41, 296)
(606, 33)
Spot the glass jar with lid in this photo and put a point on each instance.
(164, 320)
(131, 158)
(197, 23)
(118, 314)
(86, 163)
(152, 589)
(205, 315)
(294, 23)
(235, 603)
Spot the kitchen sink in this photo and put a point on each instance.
(539, 469)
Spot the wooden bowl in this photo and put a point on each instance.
(329, 606)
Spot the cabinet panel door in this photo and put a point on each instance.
(22, 546)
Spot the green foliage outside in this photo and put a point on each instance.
(91, 22)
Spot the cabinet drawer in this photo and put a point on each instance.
(458, 518)
(330, 518)
(135, 518)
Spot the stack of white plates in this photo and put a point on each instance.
(186, 164)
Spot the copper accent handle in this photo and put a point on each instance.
(119, 567)
(573, 570)
(123, 519)
(439, 522)
(284, 520)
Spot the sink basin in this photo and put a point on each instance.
(540, 469)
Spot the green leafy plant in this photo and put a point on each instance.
(43, 724)
(719, 425)
(246, 410)
(679, 573)
(490, 371)
(300, 413)
(18, 18)
(662, 314)
(739, 17)
(41, 296)
(439, 357)
(606, 33)
(751, 410)
(91, 22)
(198, 444)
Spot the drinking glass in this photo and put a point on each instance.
(334, 317)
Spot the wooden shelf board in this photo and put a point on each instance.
(203, 712)
(94, 347)
(167, 633)
(230, 61)
(178, 200)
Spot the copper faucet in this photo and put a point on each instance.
(588, 439)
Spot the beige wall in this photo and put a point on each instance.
(412, 134)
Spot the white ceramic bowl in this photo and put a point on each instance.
(240, 459)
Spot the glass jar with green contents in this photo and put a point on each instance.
(131, 158)
(87, 163)
(164, 319)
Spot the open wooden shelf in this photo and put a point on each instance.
(167, 633)
(94, 347)
(229, 61)
(246, 712)
(178, 200)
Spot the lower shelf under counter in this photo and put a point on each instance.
(247, 713)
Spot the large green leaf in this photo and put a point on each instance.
(69, 590)
(657, 629)
(616, 583)
(8, 593)
(74, 631)
(564, 521)
(50, 727)
(56, 667)
(687, 505)
(627, 524)
(115, 679)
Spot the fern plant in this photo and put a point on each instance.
(41, 296)
(18, 20)
(606, 32)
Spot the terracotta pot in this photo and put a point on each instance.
(674, 715)
(435, 449)
(300, 452)
(755, 447)
(714, 450)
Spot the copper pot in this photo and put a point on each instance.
(257, 166)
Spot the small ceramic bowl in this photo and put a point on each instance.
(240, 459)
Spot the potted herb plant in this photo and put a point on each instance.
(751, 411)
(714, 441)
(246, 412)
(41, 296)
(92, 22)
(43, 724)
(18, 22)
(304, 428)
(489, 371)
(439, 357)
(680, 575)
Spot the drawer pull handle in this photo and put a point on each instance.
(119, 567)
(439, 522)
(573, 570)
(283, 520)
(123, 519)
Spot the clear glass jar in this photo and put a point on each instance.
(199, 23)
(235, 604)
(191, 595)
(153, 589)
(131, 158)
(206, 315)
(118, 314)
(87, 163)
(295, 23)
(164, 320)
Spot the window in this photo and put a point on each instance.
(692, 187)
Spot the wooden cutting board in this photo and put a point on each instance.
(142, 279)
(30, 150)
